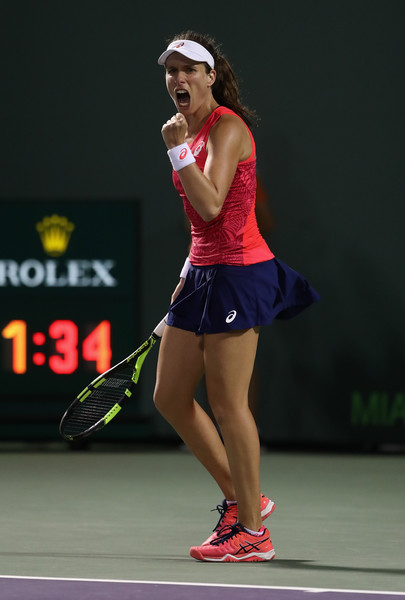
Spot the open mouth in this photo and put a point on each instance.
(183, 98)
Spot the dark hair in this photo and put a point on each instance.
(226, 88)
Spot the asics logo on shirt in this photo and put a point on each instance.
(198, 149)
(231, 316)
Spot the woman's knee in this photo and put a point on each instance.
(230, 415)
(161, 400)
(172, 404)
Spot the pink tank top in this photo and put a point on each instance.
(233, 237)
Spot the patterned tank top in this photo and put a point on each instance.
(233, 237)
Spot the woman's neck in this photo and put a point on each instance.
(196, 121)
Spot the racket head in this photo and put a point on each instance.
(99, 402)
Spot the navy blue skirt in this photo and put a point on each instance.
(220, 298)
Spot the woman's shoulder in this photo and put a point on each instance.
(228, 116)
(229, 122)
(223, 120)
(231, 127)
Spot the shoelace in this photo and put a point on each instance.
(221, 508)
(226, 533)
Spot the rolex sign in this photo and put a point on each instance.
(73, 249)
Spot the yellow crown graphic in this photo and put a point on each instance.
(55, 232)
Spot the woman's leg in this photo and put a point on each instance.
(179, 370)
(229, 360)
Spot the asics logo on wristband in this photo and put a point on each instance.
(180, 156)
(231, 316)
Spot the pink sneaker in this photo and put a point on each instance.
(266, 506)
(229, 515)
(235, 544)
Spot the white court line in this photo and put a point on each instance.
(224, 585)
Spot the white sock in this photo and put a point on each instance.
(256, 533)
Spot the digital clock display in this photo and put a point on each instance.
(68, 298)
(94, 348)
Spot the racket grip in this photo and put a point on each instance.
(158, 331)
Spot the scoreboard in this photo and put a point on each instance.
(69, 308)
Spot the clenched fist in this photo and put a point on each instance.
(174, 131)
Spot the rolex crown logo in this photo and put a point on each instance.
(55, 232)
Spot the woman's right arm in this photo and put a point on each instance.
(228, 143)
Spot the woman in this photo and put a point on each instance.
(229, 286)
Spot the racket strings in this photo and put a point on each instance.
(96, 406)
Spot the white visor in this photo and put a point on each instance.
(190, 49)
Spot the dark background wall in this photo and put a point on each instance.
(82, 104)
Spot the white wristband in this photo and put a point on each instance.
(181, 156)
(186, 266)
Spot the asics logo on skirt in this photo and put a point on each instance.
(231, 316)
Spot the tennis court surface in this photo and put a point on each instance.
(50, 589)
(119, 523)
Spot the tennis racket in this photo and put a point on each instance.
(104, 397)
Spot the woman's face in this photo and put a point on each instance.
(188, 83)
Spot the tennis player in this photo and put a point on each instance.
(230, 285)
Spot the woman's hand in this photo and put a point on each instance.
(174, 131)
